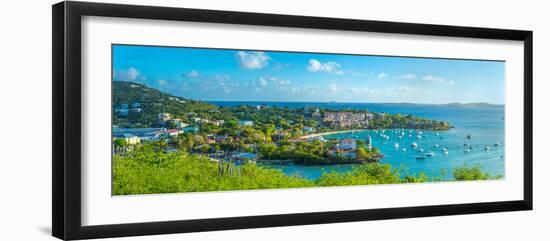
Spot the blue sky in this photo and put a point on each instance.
(240, 75)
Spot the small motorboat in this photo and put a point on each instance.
(430, 154)
(469, 136)
(436, 145)
(404, 149)
(420, 157)
(487, 148)
(446, 153)
(467, 151)
(497, 144)
(420, 150)
(444, 149)
(396, 145)
(414, 145)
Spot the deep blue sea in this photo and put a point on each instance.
(485, 124)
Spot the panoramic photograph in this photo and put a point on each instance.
(201, 120)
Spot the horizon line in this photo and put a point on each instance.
(351, 102)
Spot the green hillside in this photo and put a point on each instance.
(144, 104)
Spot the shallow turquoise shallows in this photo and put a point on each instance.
(485, 148)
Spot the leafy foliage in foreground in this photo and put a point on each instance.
(147, 171)
(466, 173)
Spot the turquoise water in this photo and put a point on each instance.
(484, 124)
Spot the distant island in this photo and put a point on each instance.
(478, 104)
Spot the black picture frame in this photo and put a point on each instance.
(66, 128)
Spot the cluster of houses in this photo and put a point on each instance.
(345, 147)
(347, 119)
(166, 120)
(134, 136)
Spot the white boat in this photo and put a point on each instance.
(430, 154)
(444, 149)
(446, 153)
(420, 157)
(418, 136)
(404, 149)
(420, 150)
(414, 145)
(436, 145)
(487, 148)
(396, 145)
(467, 151)
(497, 144)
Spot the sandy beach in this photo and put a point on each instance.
(328, 133)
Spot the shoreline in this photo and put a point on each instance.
(328, 133)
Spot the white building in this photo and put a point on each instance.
(131, 139)
(348, 144)
(163, 118)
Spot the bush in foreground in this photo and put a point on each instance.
(146, 171)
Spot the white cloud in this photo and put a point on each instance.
(329, 67)
(130, 74)
(278, 81)
(437, 80)
(382, 75)
(192, 74)
(252, 60)
(262, 82)
(221, 78)
(392, 93)
(406, 77)
(270, 80)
